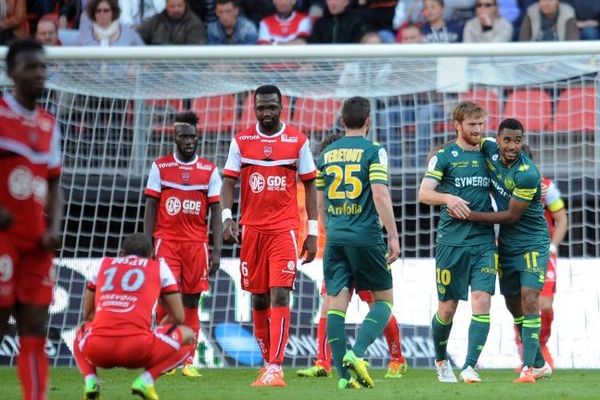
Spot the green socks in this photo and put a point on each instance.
(531, 342)
(440, 331)
(372, 326)
(478, 333)
(336, 334)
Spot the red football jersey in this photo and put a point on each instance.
(274, 29)
(184, 191)
(127, 288)
(30, 156)
(267, 168)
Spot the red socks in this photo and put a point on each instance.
(193, 322)
(32, 367)
(323, 350)
(82, 363)
(261, 330)
(392, 337)
(547, 318)
(279, 328)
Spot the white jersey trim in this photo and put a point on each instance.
(234, 158)
(214, 184)
(278, 133)
(306, 164)
(23, 150)
(552, 195)
(185, 188)
(154, 178)
(166, 276)
(266, 163)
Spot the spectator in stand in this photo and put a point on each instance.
(381, 17)
(342, 24)
(410, 34)
(134, 12)
(587, 14)
(488, 26)
(408, 12)
(509, 10)
(231, 27)
(106, 30)
(459, 11)
(436, 29)
(47, 31)
(285, 26)
(72, 16)
(549, 20)
(257, 10)
(12, 19)
(176, 25)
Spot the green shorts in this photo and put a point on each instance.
(523, 268)
(358, 267)
(458, 267)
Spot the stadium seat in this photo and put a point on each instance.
(215, 113)
(315, 114)
(248, 118)
(576, 110)
(533, 107)
(489, 100)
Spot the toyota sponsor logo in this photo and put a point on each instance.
(173, 206)
(257, 182)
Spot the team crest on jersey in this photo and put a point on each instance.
(291, 265)
(45, 125)
(454, 153)
(267, 151)
(173, 206)
(495, 157)
(509, 183)
(185, 175)
(6, 268)
(256, 182)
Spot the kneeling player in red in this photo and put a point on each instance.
(117, 312)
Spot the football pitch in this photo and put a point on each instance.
(66, 384)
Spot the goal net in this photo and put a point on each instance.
(116, 115)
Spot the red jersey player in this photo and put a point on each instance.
(266, 158)
(285, 26)
(181, 188)
(30, 211)
(117, 313)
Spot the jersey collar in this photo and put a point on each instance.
(185, 163)
(278, 133)
(17, 108)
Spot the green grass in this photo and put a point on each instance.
(66, 384)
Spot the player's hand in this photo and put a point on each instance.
(458, 208)
(215, 263)
(393, 250)
(231, 231)
(6, 219)
(544, 191)
(50, 241)
(309, 247)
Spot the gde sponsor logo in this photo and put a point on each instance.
(174, 206)
(273, 183)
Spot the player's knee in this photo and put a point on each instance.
(190, 300)
(446, 310)
(481, 302)
(513, 304)
(261, 301)
(187, 335)
(530, 301)
(280, 297)
(545, 303)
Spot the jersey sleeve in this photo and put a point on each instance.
(378, 167)
(488, 146)
(306, 164)
(168, 284)
(305, 27)
(526, 185)
(233, 165)
(214, 187)
(553, 200)
(263, 33)
(436, 166)
(55, 154)
(153, 187)
(320, 183)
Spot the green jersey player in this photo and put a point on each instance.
(352, 179)
(523, 239)
(457, 180)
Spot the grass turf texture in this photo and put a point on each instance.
(67, 384)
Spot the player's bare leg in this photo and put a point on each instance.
(190, 308)
(441, 325)
(32, 363)
(322, 367)
(547, 311)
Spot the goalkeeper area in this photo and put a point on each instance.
(233, 383)
(116, 111)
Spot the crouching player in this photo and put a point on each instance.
(117, 313)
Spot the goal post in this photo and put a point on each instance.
(115, 108)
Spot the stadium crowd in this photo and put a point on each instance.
(222, 22)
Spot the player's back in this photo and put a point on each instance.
(346, 170)
(127, 289)
(462, 173)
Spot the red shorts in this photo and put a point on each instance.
(365, 295)
(27, 274)
(143, 350)
(188, 262)
(267, 260)
(550, 283)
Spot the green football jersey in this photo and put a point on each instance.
(521, 181)
(345, 171)
(463, 174)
